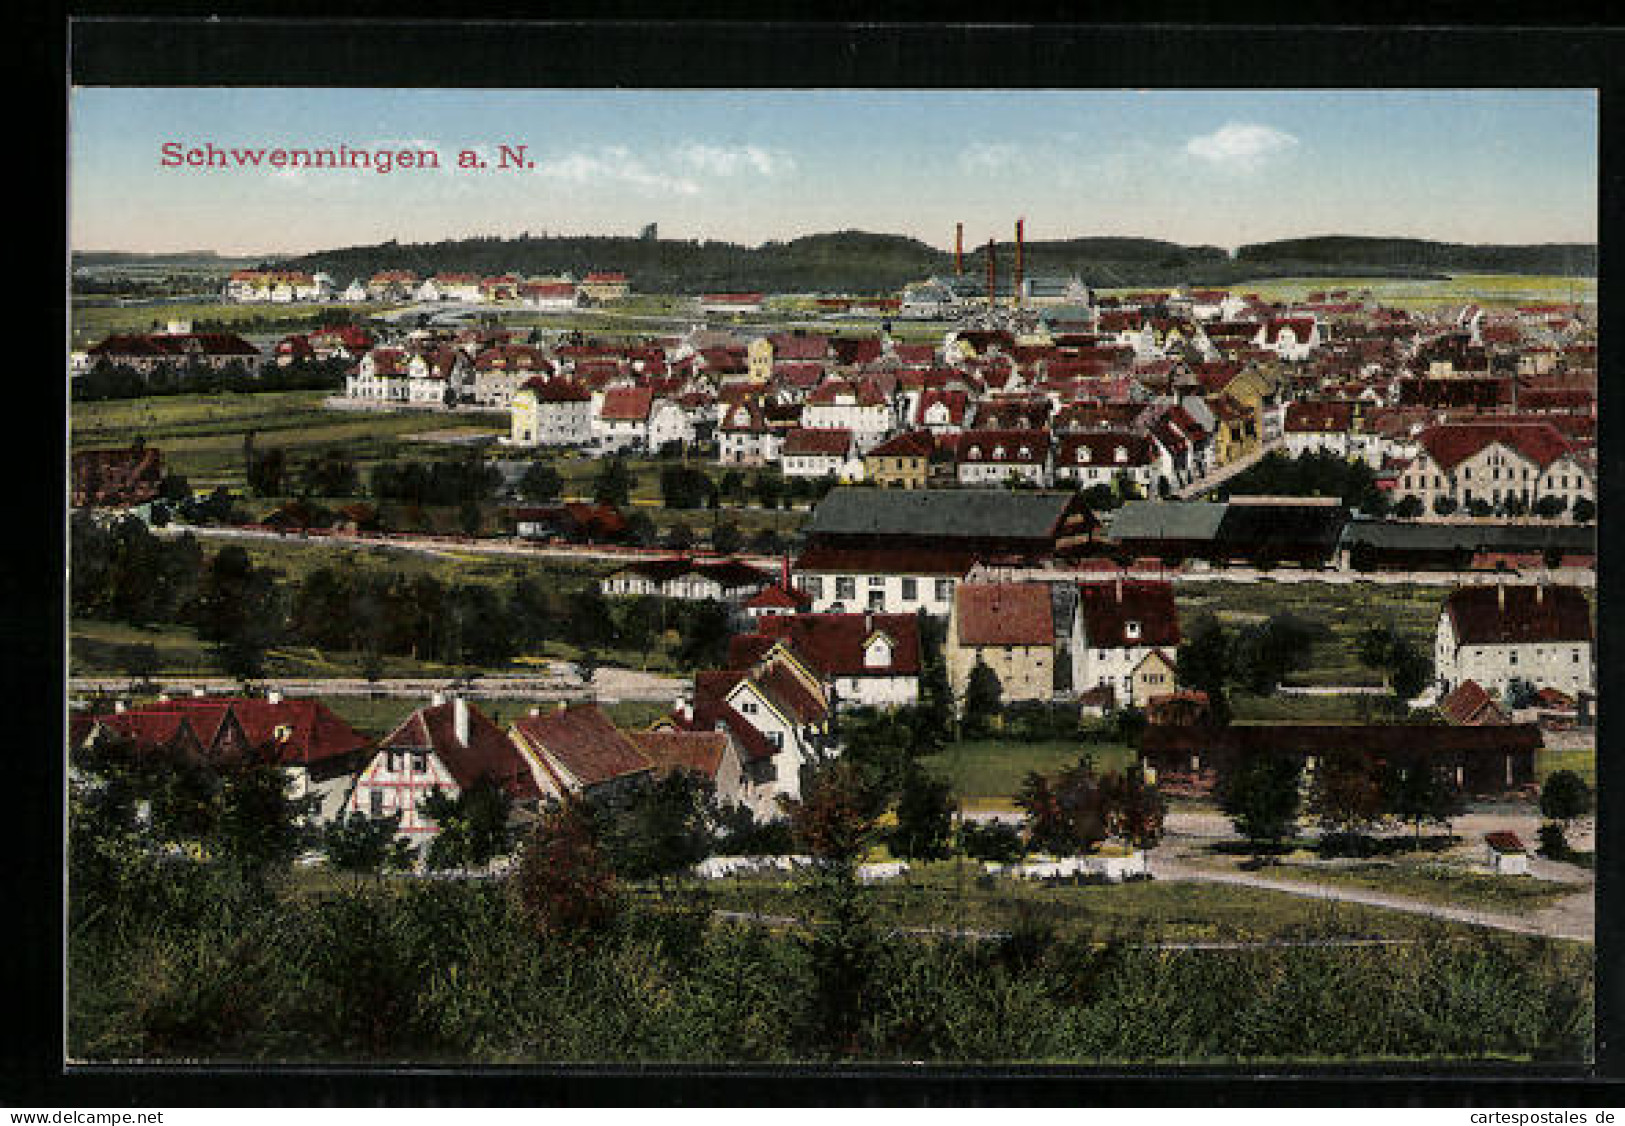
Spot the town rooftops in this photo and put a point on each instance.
(487, 753)
(943, 513)
(1469, 703)
(1166, 520)
(1504, 841)
(1004, 614)
(582, 740)
(1512, 615)
(1453, 443)
(1132, 613)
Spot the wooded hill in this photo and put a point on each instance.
(865, 262)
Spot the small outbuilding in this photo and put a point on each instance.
(1507, 854)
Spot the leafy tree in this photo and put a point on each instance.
(140, 662)
(540, 483)
(1204, 663)
(983, 694)
(366, 845)
(703, 635)
(726, 538)
(587, 664)
(1135, 809)
(564, 883)
(1550, 506)
(679, 537)
(260, 828)
(1066, 814)
(1409, 507)
(473, 825)
(1263, 654)
(613, 484)
(659, 827)
(1411, 671)
(1418, 793)
(266, 471)
(924, 816)
(993, 841)
(1260, 795)
(1444, 505)
(1564, 796)
(1585, 510)
(1346, 793)
(1520, 694)
(640, 530)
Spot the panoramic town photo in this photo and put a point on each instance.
(1092, 578)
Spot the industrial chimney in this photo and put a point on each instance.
(1015, 289)
(992, 274)
(959, 250)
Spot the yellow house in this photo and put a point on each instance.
(759, 359)
(1153, 676)
(903, 462)
(1010, 628)
(602, 287)
(1235, 430)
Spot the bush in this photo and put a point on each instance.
(992, 841)
(1554, 842)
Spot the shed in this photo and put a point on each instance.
(1506, 854)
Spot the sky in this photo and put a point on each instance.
(1220, 168)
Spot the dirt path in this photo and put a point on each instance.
(1572, 917)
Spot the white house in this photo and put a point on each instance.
(1105, 457)
(1496, 634)
(551, 412)
(868, 660)
(995, 457)
(860, 408)
(1121, 623)
(450, 746)
(821, 453)
(1494, 462)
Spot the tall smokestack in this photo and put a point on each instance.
(959, 250)
(1015, 289)
(992, 274)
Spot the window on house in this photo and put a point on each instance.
(944, 589)
(376, 803)
(911, 589)
(748, 707)
(846, 587)
(876, 581)
(420, 762)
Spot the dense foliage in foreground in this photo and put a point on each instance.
(181, 960)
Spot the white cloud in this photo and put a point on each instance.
(615, 164)
(720, 161)
(1240, 146)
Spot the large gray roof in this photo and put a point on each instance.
(1167, 520)
(1398, 535)
(958, 513)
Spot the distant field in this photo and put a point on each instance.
(1343, 611)
(1485, 289)
(201, 436)
(91, 321)
(987, 773)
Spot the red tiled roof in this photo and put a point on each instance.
(1003, 446)
(582, 739)
(1108, 607)
(911, 443)
(1510, 615)
(626, 404)
(833, 644)
(305, 732)
(1469, 703)
(488, 753)
(1004, 614)
(1502, 840)
(830, 443)
(1319, 417)
(671, 751)
(825, 559)
(1451, 444)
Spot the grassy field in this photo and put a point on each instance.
(1582, 762)
(201, 436)
(1452, 882)
(986, 773)
(956, 894)
(1485, 289)
(1340, 611)
(94, 320)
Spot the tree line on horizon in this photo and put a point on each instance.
(866, 262)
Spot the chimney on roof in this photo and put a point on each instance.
(1540, 594)
(1501, 596)
(274, 696)
(437, 699)
(1119, 589)
(118, 707)
(459, 719)
(535, 711)
(163, 697)
(1015, 287)
(198, 693)
(959, 250)
(992, 275)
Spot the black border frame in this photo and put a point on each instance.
(601, 45)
